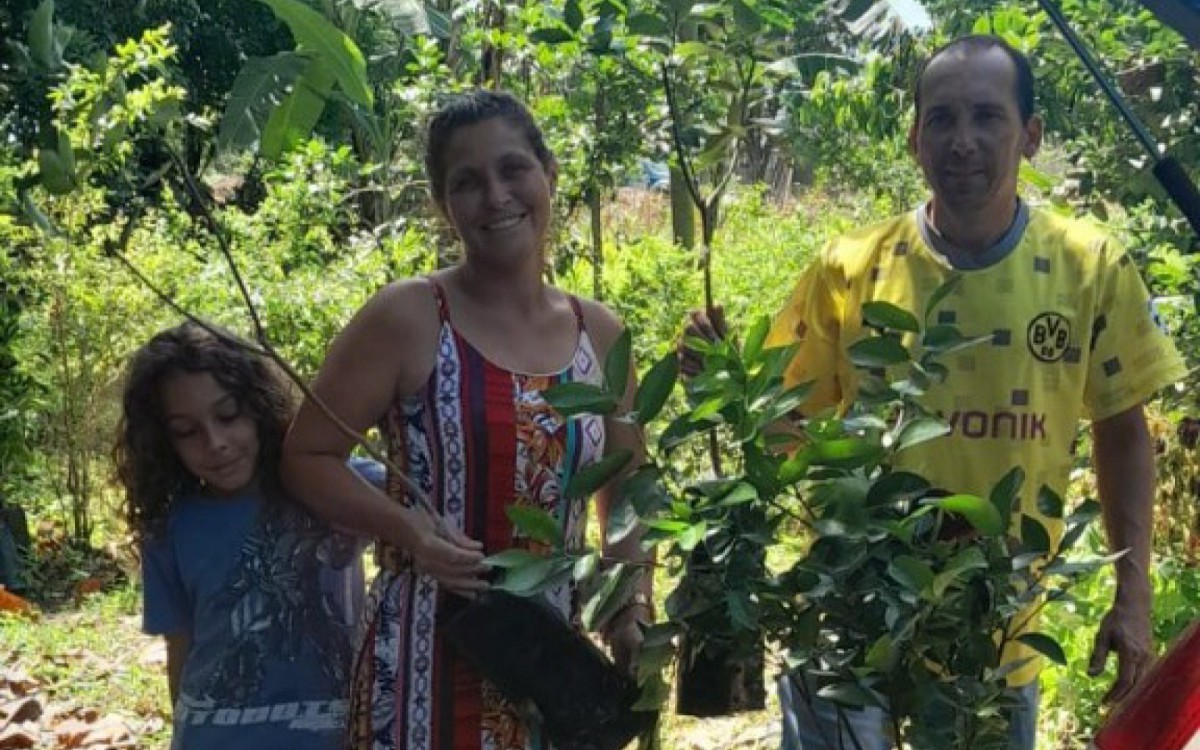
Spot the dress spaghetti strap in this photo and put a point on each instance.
(439, 294)
(577, 308)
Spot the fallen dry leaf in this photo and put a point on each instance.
(16, 682)
(18, 736)
(10, 602)
(22, 709)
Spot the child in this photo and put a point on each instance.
(257, 600)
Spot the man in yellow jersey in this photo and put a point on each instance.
(1073, 331)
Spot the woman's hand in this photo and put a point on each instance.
(446, 554)
(624, 636)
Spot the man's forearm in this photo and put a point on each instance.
(1123, 456)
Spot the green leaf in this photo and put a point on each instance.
(66, 152)
(1044, 645)
(260, 86)
(1062, 567)
(535, 523)
(652, 660)
(795, 468)
(616, 586)
(965, 561)
(778, 358)
(409, 17)
(882, 654)
(655, 693)
(1087, 511)
(31, 211)
(644, 489)
(786, 403)
(755, 337)
(573, 14)
(586, 566)
(845, 453)
(945, 339)
(940, 294)
(685, 50)
(336, 51)
(656, 388)
(616, 364)
(741, 492)
(889, 316)
(747, 18)
(55, 176)
(594, 476)
(878, 351)
(679, 431)
(980, 513)
(1005, 494)
(847, 694)
(897, 486)
(512, 558)
(570, 399)
(552, 35)
(1049, 503)
(919, 430)
(41, 36)
(1078, 522)
(741, 610)
(1034, 537)
(911, 573)
(668, 525)
(439, 22)
(710, 408)
(536, 576)
(295, 117)
(647, 24)
(1043, 181)
(623, 520)
(691, 536)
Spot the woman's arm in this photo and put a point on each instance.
(385, 351)
(622, 632)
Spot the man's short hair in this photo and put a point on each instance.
(976, 43)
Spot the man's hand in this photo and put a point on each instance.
(701, 325)
(1126, 630)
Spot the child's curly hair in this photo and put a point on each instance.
(146, 462)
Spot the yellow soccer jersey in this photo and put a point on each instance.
(1073, 335)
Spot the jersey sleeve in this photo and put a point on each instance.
(811, 317)
(166, 606)
(1132, 356)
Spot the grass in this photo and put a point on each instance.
(94, 656)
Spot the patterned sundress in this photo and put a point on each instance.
(476, 438)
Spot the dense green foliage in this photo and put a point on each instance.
(290, 131)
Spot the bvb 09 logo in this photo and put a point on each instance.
(1049, 336)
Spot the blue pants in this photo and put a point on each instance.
(817, 727)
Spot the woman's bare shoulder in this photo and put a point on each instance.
(602, 323)
(405, 307)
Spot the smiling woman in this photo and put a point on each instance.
(452, 367)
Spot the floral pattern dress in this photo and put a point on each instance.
(477, 438)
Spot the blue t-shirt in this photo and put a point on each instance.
(270, 597)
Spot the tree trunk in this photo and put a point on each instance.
(599, 120)
(683, 212)
(597, 244)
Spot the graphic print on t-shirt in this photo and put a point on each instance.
(283, 625)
